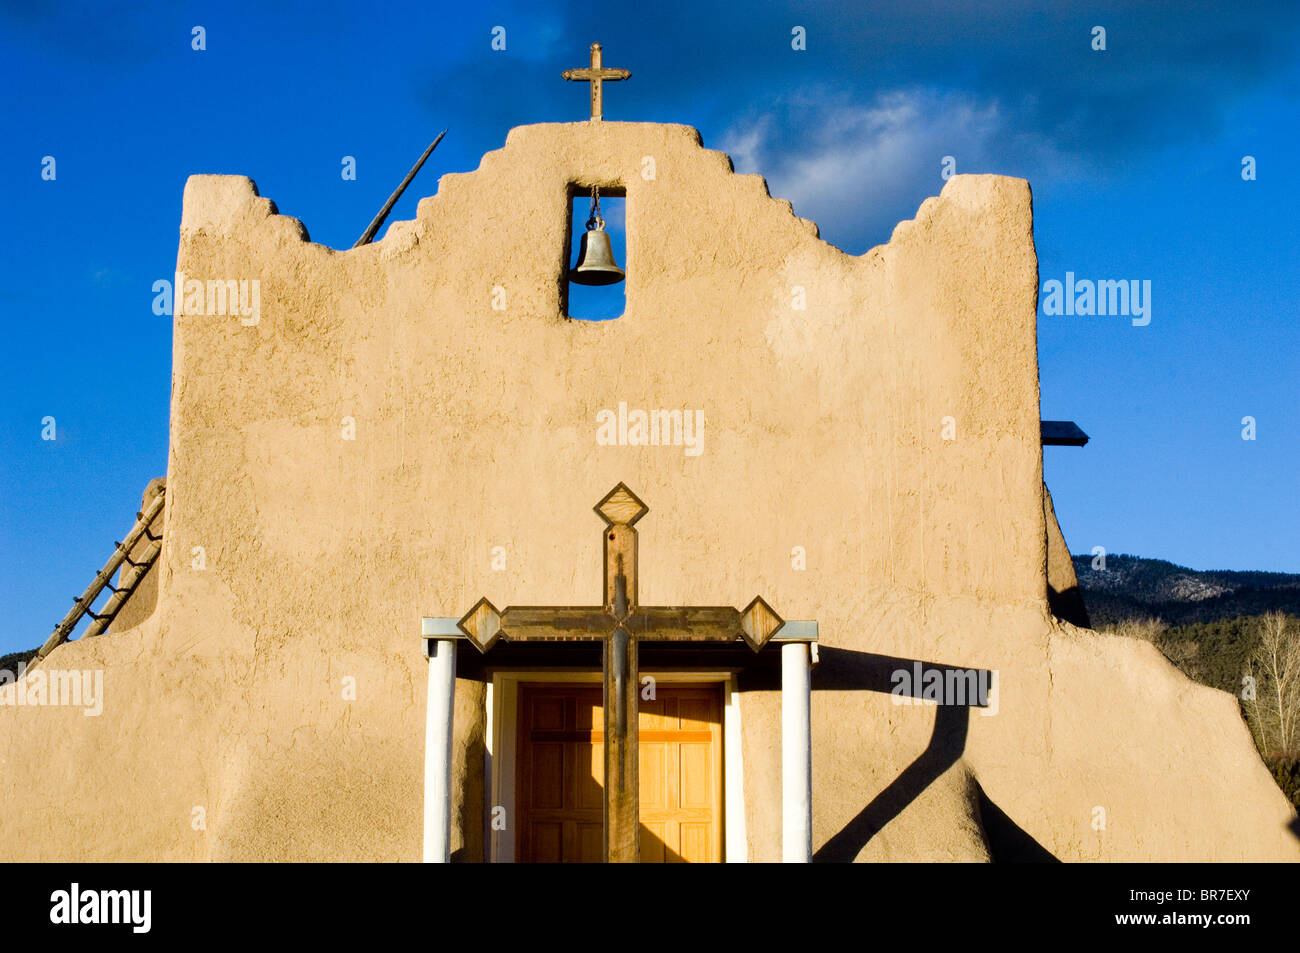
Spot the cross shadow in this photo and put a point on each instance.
(1007, 841)
(1068, 606)
(946, 746)
(847, 670)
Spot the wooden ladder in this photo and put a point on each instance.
(122, 591)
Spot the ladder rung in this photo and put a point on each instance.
(121, 556)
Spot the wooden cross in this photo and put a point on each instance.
(620, 624)
(596, 75)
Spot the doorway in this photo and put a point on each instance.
(559, 771)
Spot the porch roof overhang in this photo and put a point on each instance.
(755, 671)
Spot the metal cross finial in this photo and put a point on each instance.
(596, 75)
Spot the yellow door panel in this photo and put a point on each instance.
(560, 771)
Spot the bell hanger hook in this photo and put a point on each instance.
(595, 222)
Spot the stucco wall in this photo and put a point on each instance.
(476, 428)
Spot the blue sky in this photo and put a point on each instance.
(1134, 155)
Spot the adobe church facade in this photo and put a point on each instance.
(412, 426)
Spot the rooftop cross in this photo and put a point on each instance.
(596, 75)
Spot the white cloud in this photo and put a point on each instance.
(858, 169)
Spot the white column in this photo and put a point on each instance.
(437, 751)
(796, 753)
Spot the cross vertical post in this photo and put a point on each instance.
(621, 684)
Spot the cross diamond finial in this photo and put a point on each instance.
(621, 507)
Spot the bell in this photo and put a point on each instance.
(596, 265)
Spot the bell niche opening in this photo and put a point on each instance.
(595, 270)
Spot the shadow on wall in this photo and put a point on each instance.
(1068, 606)
(847, 670)
(1007, 841)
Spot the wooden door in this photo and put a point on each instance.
(561, 765)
